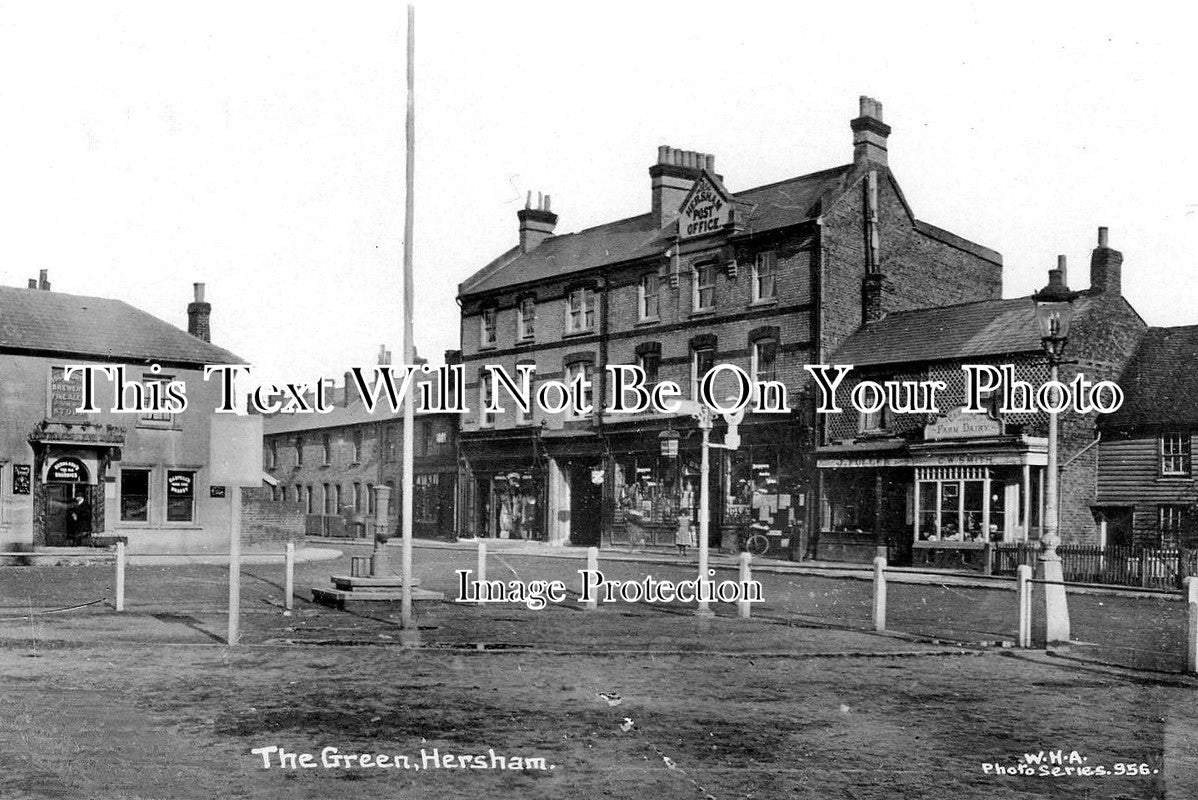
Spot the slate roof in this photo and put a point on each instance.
(1160, 383)
(987, 327)
(49, 322)
(765, 208)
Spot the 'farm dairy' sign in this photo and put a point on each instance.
(706, 210)
(958, 424)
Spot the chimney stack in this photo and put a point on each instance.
(536, 224)
(1106, 267)
(198, 313)
(42, 281)
(33, 283)
(672, 177)
(384, 356)
(869, 133)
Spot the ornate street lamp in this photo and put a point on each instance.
(1054, 312)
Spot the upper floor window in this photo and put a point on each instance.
(485, 418)
(872, 421)
(526, 319)
(326, 448)
(490, 319)
(299, 451)
(272, 454)
(357, 445)
(765, 355)
(650, 362)
(585, 371)
(154, 389)
(702, 362)
(703, 287)
(648, 298)
(580, 310)
(764, 273)
(1175, 453)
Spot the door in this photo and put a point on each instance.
(586, 499)
(68, 514)
(482, 507)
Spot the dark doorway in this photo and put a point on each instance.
(586, 500)
(482, 508)
(1118, 525)
(68, 514)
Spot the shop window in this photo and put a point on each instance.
(489, 322)
(764, 272)
(580, 310)
(424, 497)
(135, 495)
(957, 508)
(703, 286)
(1172, 522)
(1175, 453)
(526, 319)
(648, 297)
(180, 496)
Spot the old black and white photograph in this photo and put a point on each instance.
(626, 400)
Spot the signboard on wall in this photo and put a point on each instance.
(958, 424)
(67, 470)
(22, 475)
(65, 396)
(707, 209)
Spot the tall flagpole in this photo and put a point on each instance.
(409, 347)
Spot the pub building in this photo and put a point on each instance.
(86, 479)
(768, 279)
(935, 488)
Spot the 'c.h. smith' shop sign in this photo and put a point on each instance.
(707, 209)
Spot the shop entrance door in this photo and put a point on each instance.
(482, 508)
(586, 499)
(68, 514)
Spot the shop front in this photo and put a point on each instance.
(939, 501)
(503, 490)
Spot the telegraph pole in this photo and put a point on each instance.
(409, 347)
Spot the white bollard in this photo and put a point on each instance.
(1192, 626)
(289, 576)
(480, 566)
(880, 593)
(743, 606)
(120, 576)
(593, 566)
(1024, 578)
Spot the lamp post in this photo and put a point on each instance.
(1054, 312)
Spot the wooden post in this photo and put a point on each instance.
(879, 593)
(746, 575)
(1191, 591)
(480, 566)
(120, 576)
(593, 566)
(289, 576)
(1024, 573)
(234, 565)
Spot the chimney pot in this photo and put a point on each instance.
(663, 154)
(199, 315)
(1106, 267)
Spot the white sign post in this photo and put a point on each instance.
(234, 461)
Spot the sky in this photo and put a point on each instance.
(259, 147)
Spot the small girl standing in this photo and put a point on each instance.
(684, 534)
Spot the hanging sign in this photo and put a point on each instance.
(67, 470)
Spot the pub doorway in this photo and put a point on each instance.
(68, 514)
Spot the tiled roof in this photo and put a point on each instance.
(1160, 384)
(987, 327)
(69, 324)
(764, 208)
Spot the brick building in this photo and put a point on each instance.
(328, 465)
(768, 279)
(958, 480)
(70, 478)
(1146, 492)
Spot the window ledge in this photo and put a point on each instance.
(703, 312)
(583, 332)
(649, 321)
(772, 301)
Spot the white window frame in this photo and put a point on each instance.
(580, 315)
(1175, 461)
(1176, 513)
(643, 297)
(695, 376)
(526, 317)
(573, 370)
(486, 419)
(768, 259)
(697, 287)
(488, 333)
